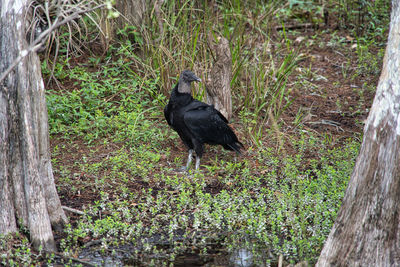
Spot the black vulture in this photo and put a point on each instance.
(197, 123)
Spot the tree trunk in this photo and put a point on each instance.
(218, 85)
(131, 13)
(28, 194)
(367, 229)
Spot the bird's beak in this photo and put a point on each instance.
(198, 79)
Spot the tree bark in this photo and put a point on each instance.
(367, 229)
(131, 13)
(218, 85)
(28, 194)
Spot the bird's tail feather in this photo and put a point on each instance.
(235, 146)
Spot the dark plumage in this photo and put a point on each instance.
(197, 123)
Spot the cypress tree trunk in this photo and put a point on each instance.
(131, 13)
(367, 229)
(28, 194)
(218, 85)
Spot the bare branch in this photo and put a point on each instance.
(73, 210)
(37, 43)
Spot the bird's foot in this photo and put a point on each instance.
(181, 169)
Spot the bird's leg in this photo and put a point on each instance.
(197, 163)
(189, 160)
(196, 171)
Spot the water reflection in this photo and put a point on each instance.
(242, 258)
(125, 256)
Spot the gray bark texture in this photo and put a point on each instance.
(367, 229)
(131, 13)
(218, 84)
(28, 194)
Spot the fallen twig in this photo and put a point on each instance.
(327, 122)
(62, 256)
(294, 26)
(92, 243)
(73, 210)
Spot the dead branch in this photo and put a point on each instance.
(73, 210)
(294, 27)
(62, 256)
(37, 43)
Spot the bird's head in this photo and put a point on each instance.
(186, 78)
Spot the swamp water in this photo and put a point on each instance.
(130, 256)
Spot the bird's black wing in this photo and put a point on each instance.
(168, 115)
(198, 105)
(208, 125)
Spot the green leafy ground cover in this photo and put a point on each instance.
(283, 204)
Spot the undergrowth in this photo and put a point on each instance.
(285, 205)
(16, 250)
(278, 205)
